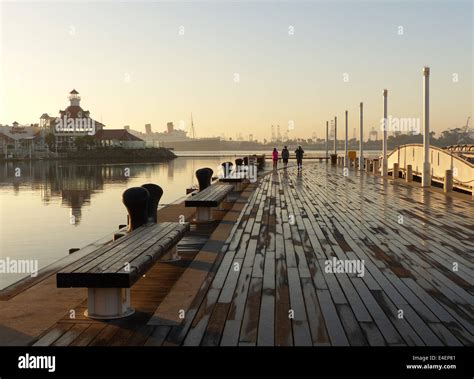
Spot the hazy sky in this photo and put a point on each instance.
(133, 65)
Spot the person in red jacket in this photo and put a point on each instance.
(275, 158)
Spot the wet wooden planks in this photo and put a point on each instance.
(268, 284)
(295, 222)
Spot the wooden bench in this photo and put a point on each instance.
(236, 180)
(111, 270)
(208, 198)
(240, 175)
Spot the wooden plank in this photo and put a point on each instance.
(105, 336)
(266, 328)
(316, 321)
(249, 330)
(157, 336)
(67, 338)
(88, 335)
(334, 326)
(53, 334)
(283, 327)
(214, 330)
(230, 335)
(354, 333)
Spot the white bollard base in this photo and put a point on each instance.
(203, 214)
(108, 303)
(171, 255)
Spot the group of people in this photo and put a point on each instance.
(285, 156)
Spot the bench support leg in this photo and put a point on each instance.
(171, 255)
(203, 214)
(108, 303)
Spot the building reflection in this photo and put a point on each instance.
(73, 183)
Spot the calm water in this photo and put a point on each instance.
(36, 208)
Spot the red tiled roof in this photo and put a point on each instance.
(116, 134)
(73, 111)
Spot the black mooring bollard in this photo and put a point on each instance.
(227, 167)
(135, 200)
(238, 163)
(204, 176)
(155, 192)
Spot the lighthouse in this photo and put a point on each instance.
(74, 98)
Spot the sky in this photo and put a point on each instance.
(238, 67)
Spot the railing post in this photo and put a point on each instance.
(375, 167)
(409, 173)
(396, 170)
(448, 181)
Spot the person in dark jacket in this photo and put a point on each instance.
(299, 157)
(285, 155)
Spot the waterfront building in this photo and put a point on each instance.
(71, 123)
(118, 138)
(21, 140)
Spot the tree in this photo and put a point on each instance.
(50, 140)
(90, 141)
(84, 142)
(80, 142)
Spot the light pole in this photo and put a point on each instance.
(426, 178)
(361, 138)
(327, 139)
(385, 127)
(335, 135)
(345, 143)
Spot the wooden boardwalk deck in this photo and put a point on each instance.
(269, 287)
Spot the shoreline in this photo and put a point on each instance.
(116, 155)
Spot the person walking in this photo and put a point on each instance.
(275, 158)
(299, 157)
(285, 155)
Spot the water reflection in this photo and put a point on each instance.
(38, 200)
(75, 183)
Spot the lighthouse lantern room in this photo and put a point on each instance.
(74, 98)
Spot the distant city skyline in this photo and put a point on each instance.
(238, 67)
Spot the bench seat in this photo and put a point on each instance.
(118, 265)
(206, 199)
